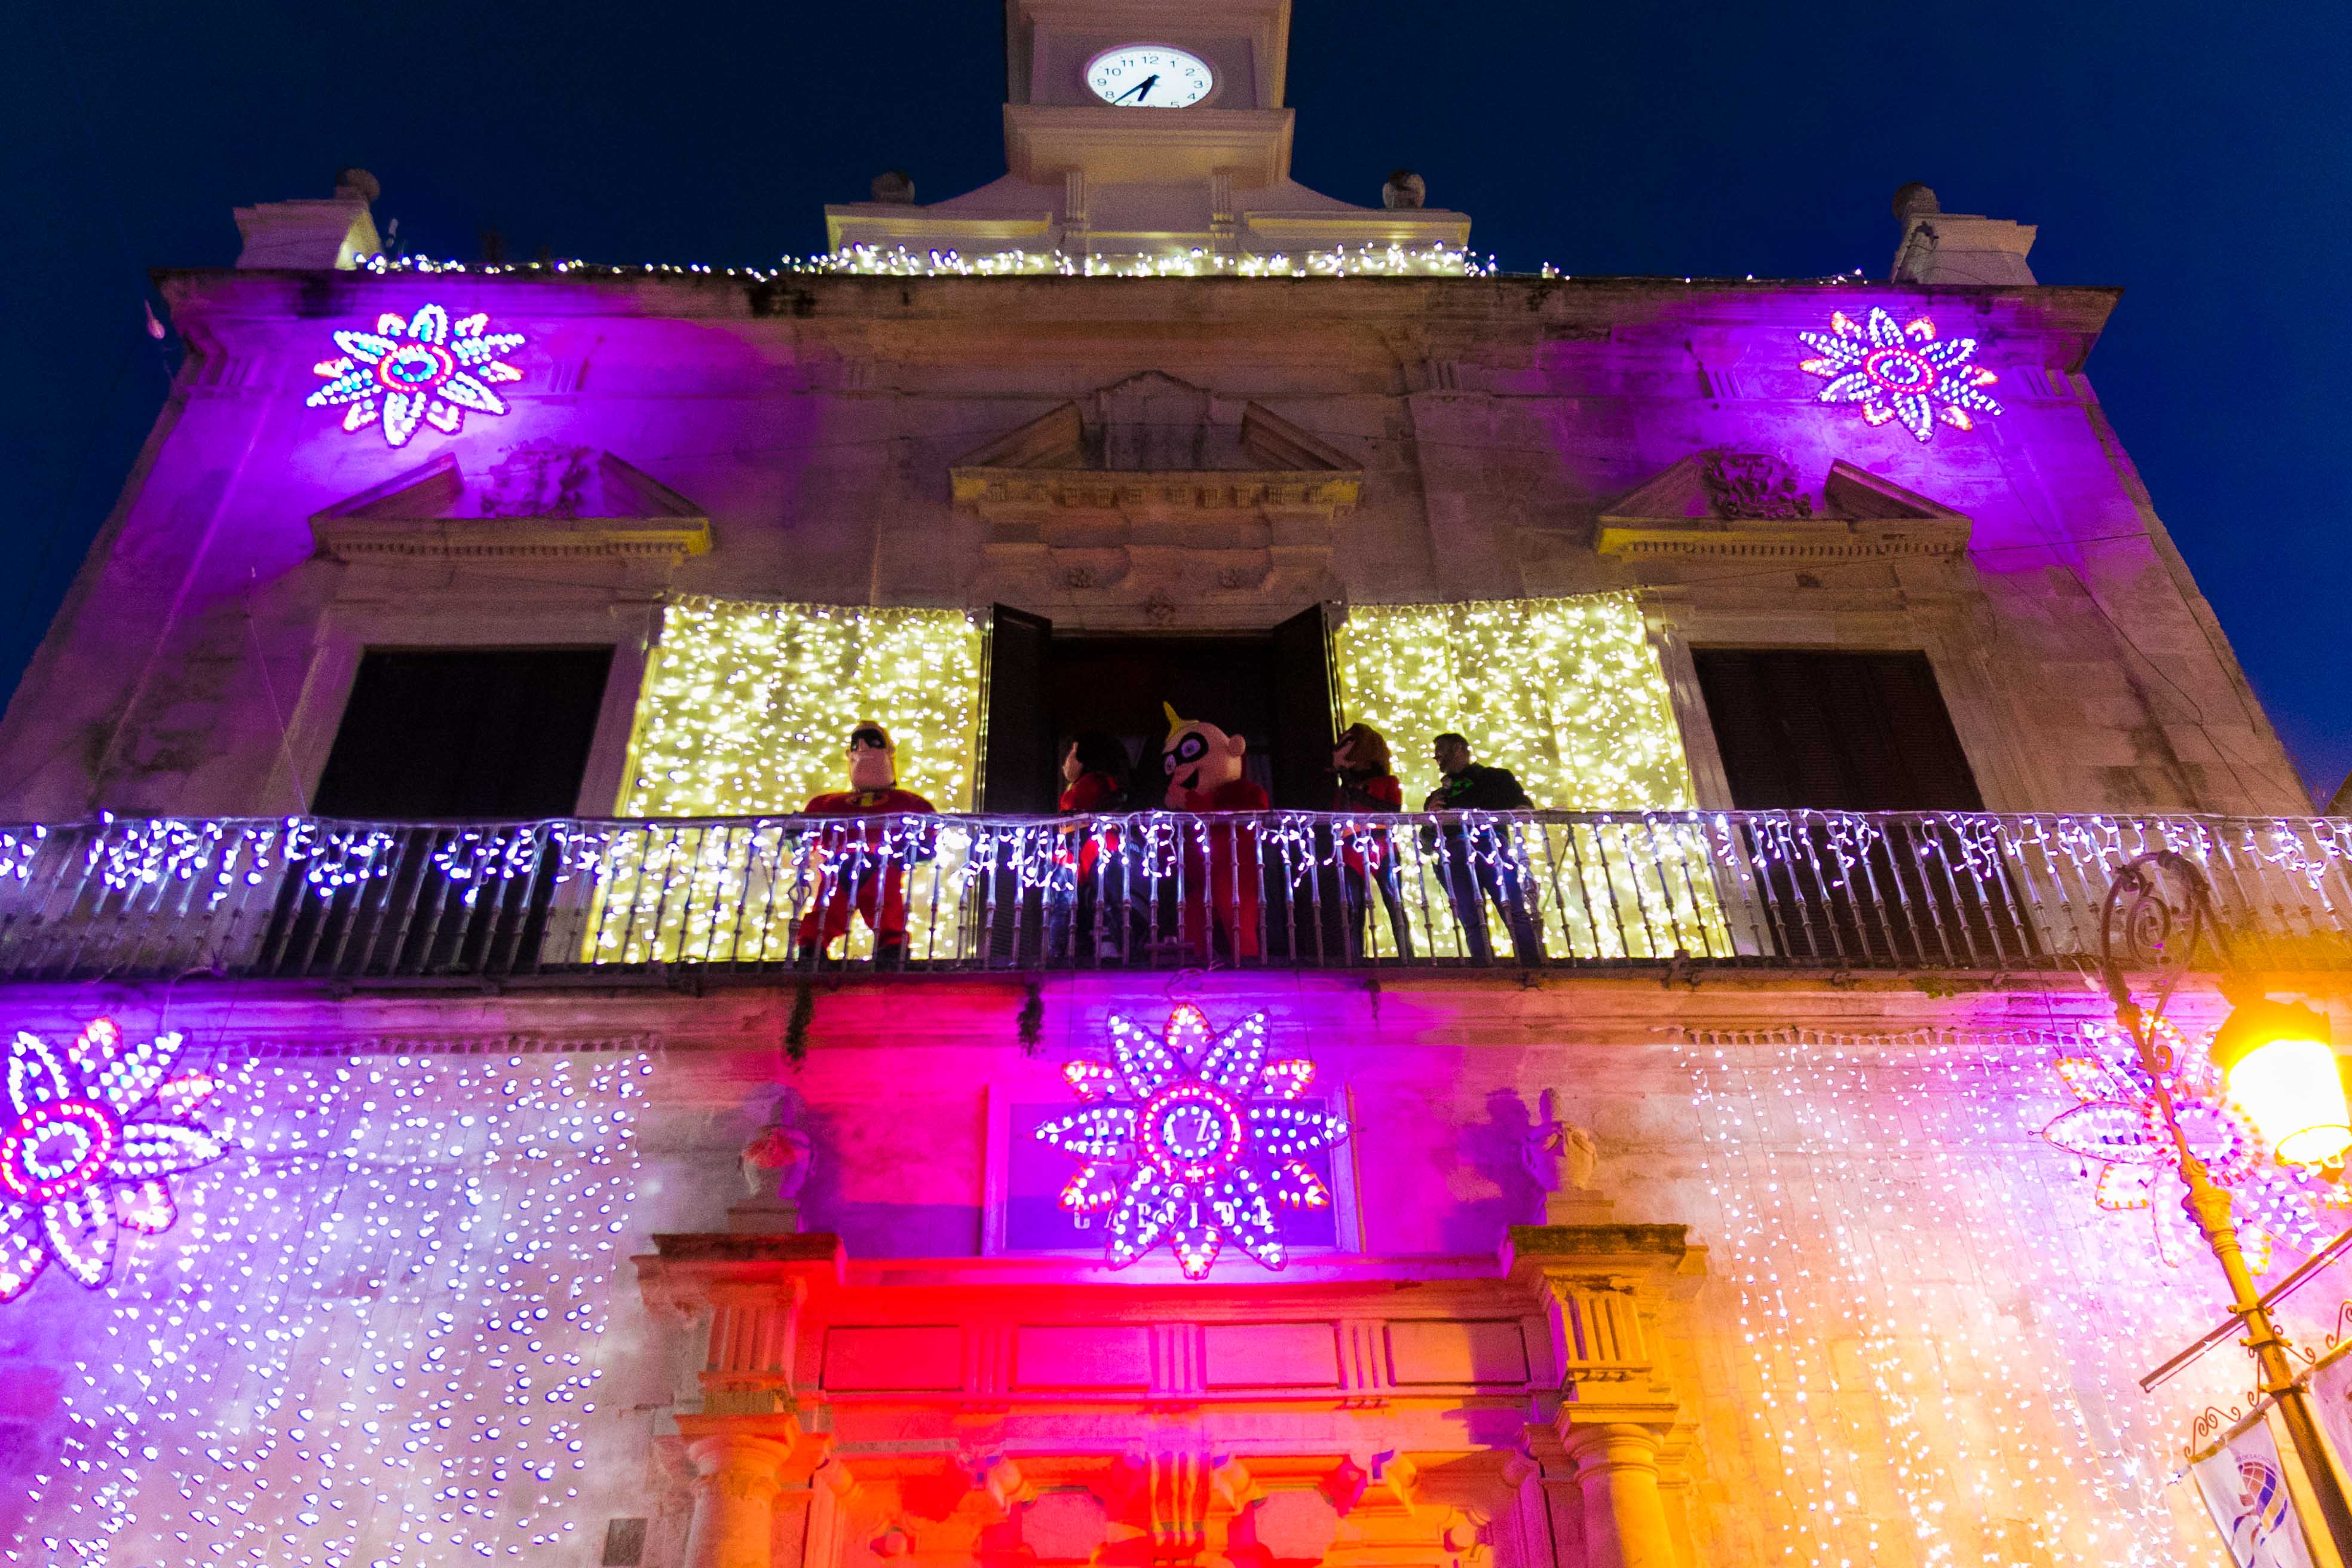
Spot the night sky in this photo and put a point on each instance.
(2195, 156)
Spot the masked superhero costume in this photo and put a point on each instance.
(1203, 765)
(861, 868)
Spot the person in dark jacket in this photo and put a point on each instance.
(1090, 878)
(1364, 781)
(1481, 860)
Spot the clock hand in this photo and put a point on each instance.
(1142, 90)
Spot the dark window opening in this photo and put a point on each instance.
(1805, 730)
(1272, 688)
(451, 734)
(1835, 731)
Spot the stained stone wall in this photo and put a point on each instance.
(201, 659)
(1913, 1339)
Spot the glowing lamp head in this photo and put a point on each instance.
(2281, 1069)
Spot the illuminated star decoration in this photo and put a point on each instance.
(92, 1132)
(1904, 373)
(2117, 1129)
(425, 368)
(1192, 1142)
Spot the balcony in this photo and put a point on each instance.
(361, 904)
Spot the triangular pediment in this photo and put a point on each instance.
(1153, 439)
(541, 499)
(1724, 501)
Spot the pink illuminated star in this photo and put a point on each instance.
(92, 1132)
(424, 368)
(1900, 372)
(1192, 1142)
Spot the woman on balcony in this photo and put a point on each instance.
(1364, 780)
(1090, 881)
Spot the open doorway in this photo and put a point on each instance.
(1273, 688)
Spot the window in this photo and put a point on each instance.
(1835, 731)
(1808, 732)
(452, 733)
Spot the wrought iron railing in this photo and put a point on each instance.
(362, 902)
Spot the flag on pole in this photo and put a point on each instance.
(2245, 1490)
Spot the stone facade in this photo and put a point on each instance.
(1629, 1258)
(816, 423)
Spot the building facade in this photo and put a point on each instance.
(491, 1155)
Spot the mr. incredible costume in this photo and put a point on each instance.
(862, 869)
(1203, 765)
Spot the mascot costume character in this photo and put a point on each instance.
(1203, 765)
(862, 869)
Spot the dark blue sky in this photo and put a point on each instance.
(2194, 156)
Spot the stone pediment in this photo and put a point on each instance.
(541, 499)
(1751, 504)
(1153, 446)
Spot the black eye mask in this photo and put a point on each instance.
(1190, 750)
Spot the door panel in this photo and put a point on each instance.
(1017, 774)
(1306, 699)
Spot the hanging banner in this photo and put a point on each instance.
(2245, 1490)
(2331, 1391)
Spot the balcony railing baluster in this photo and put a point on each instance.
(382, 902)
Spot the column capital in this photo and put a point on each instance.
(738, 1466)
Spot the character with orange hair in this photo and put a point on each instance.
(1203, 765)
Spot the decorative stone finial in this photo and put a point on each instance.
(1562, 1160)
(1405, 191)
(895, 186)
(776, 1163)
(1915, 200)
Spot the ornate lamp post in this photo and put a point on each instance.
(2282, 1072)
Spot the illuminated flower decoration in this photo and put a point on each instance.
(92, 1132)
(1904, 373)
(1190, 1140)
(425, 368)
(2117, 1129)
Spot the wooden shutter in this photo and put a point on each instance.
(1017, 771)
(1306, 700)
(1834, 731)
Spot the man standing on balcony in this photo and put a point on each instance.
(1479, 860)
(862, 869)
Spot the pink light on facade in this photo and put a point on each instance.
(422, 369)
(1900, 372)
(1192, 1139)
(2117, 1129)
(93, 1132)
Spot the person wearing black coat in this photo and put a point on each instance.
(1481, 860)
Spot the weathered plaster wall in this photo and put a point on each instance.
(201, 661)
(1914, 1341)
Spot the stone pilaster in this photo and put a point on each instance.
(735, 1484)
(1617, 1472)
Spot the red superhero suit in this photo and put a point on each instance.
(862, 869)
(1221, 879)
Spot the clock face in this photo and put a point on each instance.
(1149, 75)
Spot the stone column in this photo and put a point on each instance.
(734, 1500)
(1624, 1519)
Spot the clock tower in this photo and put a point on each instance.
(1136, 129)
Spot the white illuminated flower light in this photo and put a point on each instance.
(91, 1133)
(424, 368)
(1193, 1143)
(1904, 373)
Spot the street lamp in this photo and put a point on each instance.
(2280, 1072)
